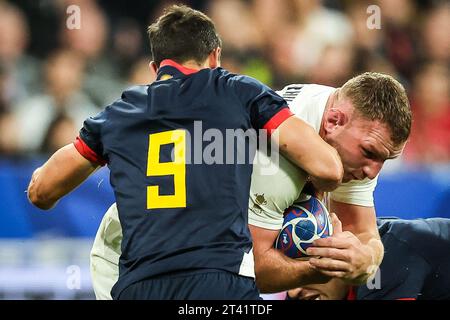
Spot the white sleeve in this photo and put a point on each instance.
(105, 254)
(356, 192)
(270, 195)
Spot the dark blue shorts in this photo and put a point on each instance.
(211, 285)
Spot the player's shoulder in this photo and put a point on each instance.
(239, 81)
(423, 235)
(135, 92)
(134, 97)
(291, 91)
(431, 227)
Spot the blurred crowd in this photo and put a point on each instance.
(53, 77)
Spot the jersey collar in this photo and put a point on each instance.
(169, 69)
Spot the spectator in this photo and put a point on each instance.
(102, 76)
(400, 31)
(60, 132)
(430, 135)
(20, 72)
(318, 28)
(64, 72)
(140, 73)
(436, 33)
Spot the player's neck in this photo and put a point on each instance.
(192, 64)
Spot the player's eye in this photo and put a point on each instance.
(368, 154)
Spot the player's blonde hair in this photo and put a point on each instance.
(378, 96)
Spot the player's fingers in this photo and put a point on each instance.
(334, 274)
(337, 224)
(332, 242)
(327, 264)
(337, 254)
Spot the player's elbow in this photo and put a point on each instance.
(40, 200)
(38, 197)
(264, 278)
(329, 176)
(264, 284)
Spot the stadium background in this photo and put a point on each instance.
(52, 77)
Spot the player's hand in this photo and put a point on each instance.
(341, 255)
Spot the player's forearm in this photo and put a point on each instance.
(303, 146)
(62, 173)
(276, 272)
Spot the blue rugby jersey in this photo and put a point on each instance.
(416, 262)
(179, 215)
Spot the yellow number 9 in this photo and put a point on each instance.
(177, 168)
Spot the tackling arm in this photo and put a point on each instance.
(63, 172)
(296, 139)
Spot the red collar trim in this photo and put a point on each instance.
(186, 71)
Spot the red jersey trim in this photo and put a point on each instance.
(277, 120)
(351, 295)
(186, 71)
(87, 152)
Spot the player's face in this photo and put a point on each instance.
(334, 289)
(363, 146)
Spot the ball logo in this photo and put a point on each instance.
(285, 241)
(303, 223)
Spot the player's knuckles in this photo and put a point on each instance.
(324, 252)
(318, 262)
(352, 258)
(345, 255)
(327, 263)
(338, 254)
(329, 242)
(321, 242)
(334, 265)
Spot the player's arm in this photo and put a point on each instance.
(276, 272)
(303, 146)
(63, 172)
(297, 140)
(358, 248)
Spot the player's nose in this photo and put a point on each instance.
(371, 170)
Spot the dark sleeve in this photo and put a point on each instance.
(267, 109)
(402, 274)
(89, 143)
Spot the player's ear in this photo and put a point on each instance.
(214, 58)
(334, 118)
(153, 69)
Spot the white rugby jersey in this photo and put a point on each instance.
(271, 194)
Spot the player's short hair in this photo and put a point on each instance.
(182, 34)
(380, 97)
